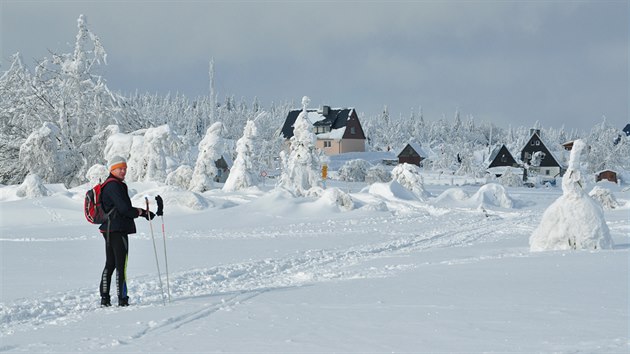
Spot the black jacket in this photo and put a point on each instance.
(116, 195)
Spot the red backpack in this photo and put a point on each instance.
(93, 207)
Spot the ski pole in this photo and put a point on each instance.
(157, 263)
(160, 212)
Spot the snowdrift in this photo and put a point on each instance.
(491, 195)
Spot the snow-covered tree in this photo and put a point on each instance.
(210, 150)
(575, 220)
(300, 168)
(47, 153)
(244, 171)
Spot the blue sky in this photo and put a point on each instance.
(563, 63)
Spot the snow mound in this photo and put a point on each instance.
(281, 202)
(32, 187)
(337, 197)
(173, 197)
(452, 196)
(391, 191)
(492, 195)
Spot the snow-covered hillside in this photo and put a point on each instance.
(262, 271)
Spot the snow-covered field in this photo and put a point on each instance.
(261, 271)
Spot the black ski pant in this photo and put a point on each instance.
(116, 251)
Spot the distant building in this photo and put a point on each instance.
(549, 166)
(338, 130)
(412, 153)
(501, 160)
(608, 175)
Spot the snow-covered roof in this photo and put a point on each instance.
(417, 147)
(334, 134)
(335, 119)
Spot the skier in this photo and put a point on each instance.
(116, 230)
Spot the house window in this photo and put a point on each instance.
(353, 130)
(320, 129)
(503, 158)
(327, 143)
(547, 172)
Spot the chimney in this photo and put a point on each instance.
(532, 131)
(325, 110)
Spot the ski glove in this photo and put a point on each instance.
(160, 205)
(149, 216)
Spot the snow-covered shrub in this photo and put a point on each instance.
(510, 179)
(605, 197)
(180, 177)
(243, 173)
(32, 187)
(96, 174)
(575, 220)
(378, 174)
(354, 170)
(408, 176)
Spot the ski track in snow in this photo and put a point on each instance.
(241, 282)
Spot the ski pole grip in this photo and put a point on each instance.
(160, 205)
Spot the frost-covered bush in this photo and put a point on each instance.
(354, 170)
(32, 187)
(180, 177)
(378, 174)
(408, 176)
(575, 220)
(604, 197)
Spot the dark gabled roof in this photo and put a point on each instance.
(335, 119)
(498, 153)
(627, 129)
(549, 160)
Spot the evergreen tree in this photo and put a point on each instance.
(300, 170)
(244, 172)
